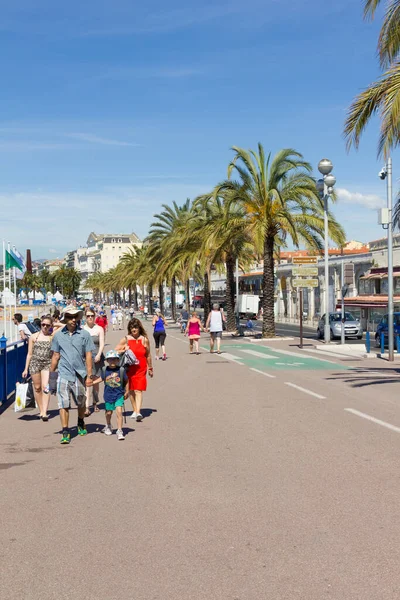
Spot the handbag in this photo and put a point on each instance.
(128, 359)
(24, 396)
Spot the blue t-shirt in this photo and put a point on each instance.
(114, 388)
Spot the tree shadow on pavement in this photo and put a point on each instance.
(359, 377)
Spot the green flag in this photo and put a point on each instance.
(11, 262)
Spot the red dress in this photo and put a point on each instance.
(137, 373)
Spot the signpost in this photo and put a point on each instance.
(305, 271)
(305, 283)
(305, 260)
(309, 280)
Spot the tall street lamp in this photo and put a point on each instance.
(325, 189)
(387, 221)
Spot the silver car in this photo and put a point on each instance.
(352, 326)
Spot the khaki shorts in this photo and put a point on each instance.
(71, 390)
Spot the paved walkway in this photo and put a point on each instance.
(247, 479)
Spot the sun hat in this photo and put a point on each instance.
(73, 311)
(112, 354)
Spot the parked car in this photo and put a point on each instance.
(383, 328)
(352, 326)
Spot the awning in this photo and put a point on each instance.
(374, 276)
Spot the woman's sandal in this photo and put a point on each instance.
(87, 412)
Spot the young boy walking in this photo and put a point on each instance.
(116, 389)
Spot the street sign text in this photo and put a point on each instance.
(305, 271)
(306, 283)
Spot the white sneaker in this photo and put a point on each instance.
(139, 417)
(133, 415)
(120, 434)
(107, 430)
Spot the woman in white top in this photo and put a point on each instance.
(97, 334)
(214, 325)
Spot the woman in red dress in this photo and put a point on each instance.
(138, 342)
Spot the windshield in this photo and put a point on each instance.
(338, 317)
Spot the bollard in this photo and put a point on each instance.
(382, 343)
(398, 343)
(368, 342)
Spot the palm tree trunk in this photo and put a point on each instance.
(207, 296)
(173, 299)
(268, 283)
(161, 297)
(135, 298)
(130, 296)
(150, 288)
(230, 294)
(188, 294)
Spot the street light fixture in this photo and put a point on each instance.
(386, 173)
(325, 189)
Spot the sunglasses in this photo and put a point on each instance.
(46, 325)
(89, 316)
(70, 316)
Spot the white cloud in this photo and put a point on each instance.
(95, 139)
(368, 200)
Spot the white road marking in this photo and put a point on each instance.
(298, 355)
(289, 364)
(373, 420)
(262, 373)
(328, 353)
(231, 357)
(301, 389)
(259, 354)
(179, 339)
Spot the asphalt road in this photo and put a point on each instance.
(293, 330)
(264, 472)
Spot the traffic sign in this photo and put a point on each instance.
(304, 260)
(306, 283)
(305, 271)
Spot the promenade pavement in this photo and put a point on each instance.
(265, 472)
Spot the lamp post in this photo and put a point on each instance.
(386, 173)
(325, 189)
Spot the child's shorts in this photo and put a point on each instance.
(113, 405)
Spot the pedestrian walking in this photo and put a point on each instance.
(38, 361)
(101, 320)
(193, 332)
(159, 334)
(23, 331)
(97, 334)
(56, 320)
(116, 390)
(146, 312)
(120, 318)
(114, 320)
(214, 325)
(138, 342)
(72, 353)
(184, 320)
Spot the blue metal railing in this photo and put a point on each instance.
(12, 364)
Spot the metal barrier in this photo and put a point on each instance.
(12, 364)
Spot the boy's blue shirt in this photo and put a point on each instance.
(114, 388)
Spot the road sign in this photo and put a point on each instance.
(304, 260)
(304, 271)
(306, 283)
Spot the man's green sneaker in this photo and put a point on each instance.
(66, 438)
(81, 428)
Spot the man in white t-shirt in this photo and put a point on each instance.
(214, 325)
(23, 330)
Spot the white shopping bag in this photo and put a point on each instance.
(20, 396)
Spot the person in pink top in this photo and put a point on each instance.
(193, 329)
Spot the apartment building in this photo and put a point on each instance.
(102, 252)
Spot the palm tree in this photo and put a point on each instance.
(280, 201)
(225, 238)
(382, 96)
(162, 230)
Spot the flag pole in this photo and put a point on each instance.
(15, 285)
(9, 287)
(4, 291)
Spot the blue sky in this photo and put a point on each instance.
(110, 109)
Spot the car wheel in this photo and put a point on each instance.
(359, 337)
(377, 342)
(331, 335)
(319, 334)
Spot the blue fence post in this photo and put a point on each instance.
(368, 342)
(382, 343)
(3, 348)
(398, 343)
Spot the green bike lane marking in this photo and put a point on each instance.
(264, 356)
